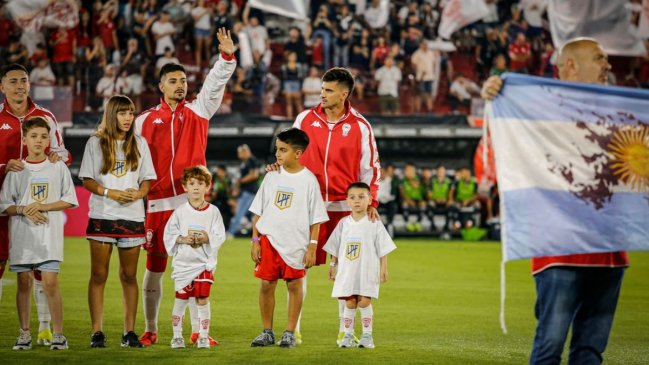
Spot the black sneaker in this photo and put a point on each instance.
(266, 338)
(130, 340)
(98, 339)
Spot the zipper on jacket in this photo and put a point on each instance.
(325, 163)
(173, 153)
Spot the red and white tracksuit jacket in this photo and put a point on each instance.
(178, 138)
(339, 154)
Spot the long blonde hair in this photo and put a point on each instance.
(107, 134)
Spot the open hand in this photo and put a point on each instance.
(226, 45)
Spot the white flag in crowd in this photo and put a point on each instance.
(459, 13)
(290, 8)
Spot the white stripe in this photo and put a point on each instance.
(164, 204)
(300, 117)
(139, 121)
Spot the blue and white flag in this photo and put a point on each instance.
(572, 163)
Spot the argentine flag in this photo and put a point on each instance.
(572, 162)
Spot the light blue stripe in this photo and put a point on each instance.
(537, 98)
(540, 222)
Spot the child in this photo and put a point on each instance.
(117, 169)
(357, 246)
(288, 211)
(193, 236)
(34, 199)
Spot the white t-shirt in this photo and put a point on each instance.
(311, 84)
(388, 78)
(359, 247)
(189, 262)
(258, 37)
(159, 28)
(43, 182)
(288, 205)
(120, 178)
(204, 21)
(164, 60)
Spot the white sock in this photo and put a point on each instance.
(177, 315)
(42, 307)
(367, 318)
(204, 317)
(299, 316)
(341, 311)
(193, 314)
(151, 297)
(348, 318)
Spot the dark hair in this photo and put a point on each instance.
(170, 67)
(198, 172)
(440, 165)
(13, 67)
(294, 137)
(358, 185)
(35, 122)
(341, 75)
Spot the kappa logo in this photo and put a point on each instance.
(158, 121)
(5, 126)
(316, 124)
(352, 250)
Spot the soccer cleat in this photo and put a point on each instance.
(130, 340)
(367, 341)
(59, 342)
(266, 338)
(98, 339)
(298, 338)
(194, 337)
(24, 341)
(348, 341)
(203, 343)
(340, 338)
(149, 338)
(177, 343)
(288, 340)
(44, 337)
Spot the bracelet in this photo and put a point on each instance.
(333, 264)
(106, 191)
(255, 239)
(313, 242)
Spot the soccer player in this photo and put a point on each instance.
(580, 290)
(117, 169)
(16, 107)
(176, 131)
(193, 236)
(359, 262)
(34, 199)
(288, 211)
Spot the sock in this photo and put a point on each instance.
(348, 318)
(367, 318)
(193, 314)
(299, 317)
(341, 311)
(204, 317)
(151, 296)
(42, 307)
(177, 315)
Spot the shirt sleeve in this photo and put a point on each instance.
(317, 210)
(257, 206)
(209, 98)
(332, 246)
(8, 194)
(88, 162)
(216, 234)
(68, 193)
(56, 140)
(147, 171)
(171, 234)
(384, 243)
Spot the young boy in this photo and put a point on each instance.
(288, 211)
(34, 199)
(359, 261)
(193, 236)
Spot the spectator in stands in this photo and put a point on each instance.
(106, 28)
(387, 196)
(177, 15)
(134, 62)
(64, 44)
(143, 19)
(520, 54)
(397, 54)
(322, 27)
(222, 19)
(379, 53)
(257, 33)
(167, 57)
(500, 65)
(96, 58)
(317, 52)
(546, 67)
(221, 194)
(17, 53)
(256, 75)
(360, 56)
(413, 197)
(388, 77)
(461, 92)
(163, 32)
(311, 88)
(7, 29)
(516, 24)
(409, 8)
(201, 14)
(39, 53)
(343, 32)
(296, 44)
(439, 191)
(42, 78)
(429, 18)
(241, 89)
(411, 35)
(247, 186)
(376, 15)
(424, 61)
(464, 199)
(292, 75)
(107, 85)
(487, 50)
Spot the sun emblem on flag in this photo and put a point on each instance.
(630, 147)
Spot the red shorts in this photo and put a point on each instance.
(326, 229)
(272, 266)
(199, 288)
(154, 227)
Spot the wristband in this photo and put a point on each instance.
(106, 191)
(333, 264)
(255, 239)
(313, 242)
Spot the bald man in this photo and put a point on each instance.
(574, 290)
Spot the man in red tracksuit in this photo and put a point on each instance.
(15, 108)
(176, 131)
(342, 150)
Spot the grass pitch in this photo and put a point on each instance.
(440, 306)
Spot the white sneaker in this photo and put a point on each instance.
(203, 343)
(24, 341)
(348, 341)
(366, 341)
(177, 343)
(59, 342)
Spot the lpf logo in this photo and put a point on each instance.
(39, 189)
(284, 198)
(195, 230)
(120, 168)
(352, 250)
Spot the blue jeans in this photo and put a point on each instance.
(243, 204)
(583, 297)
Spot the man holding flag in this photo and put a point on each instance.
(578, 290)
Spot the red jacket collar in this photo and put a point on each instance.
(321, 114)
(166, 106)
(30, 107)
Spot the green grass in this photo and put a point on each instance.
(440, 306)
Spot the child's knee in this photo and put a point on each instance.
(364, 301)
(202, 300)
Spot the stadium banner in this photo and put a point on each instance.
(608, 21)
(460, 13)
(76, 220)
(572, 163)
(296, 9)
